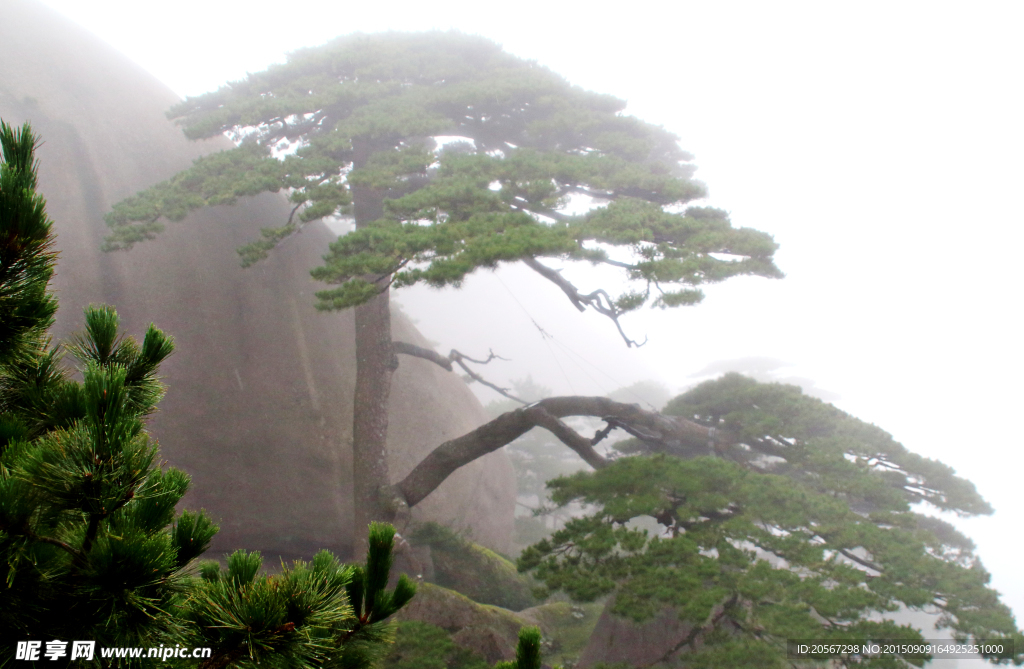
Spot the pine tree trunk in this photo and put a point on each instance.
(375, 363)
(374, 366)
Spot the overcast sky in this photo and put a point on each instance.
(880, 143)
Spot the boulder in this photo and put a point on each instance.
(493, 632)
(451, 560)
(617, 640)
(489, 631)
(259, 407)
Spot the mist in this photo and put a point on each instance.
(879, 144)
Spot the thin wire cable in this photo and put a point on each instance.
(565, 347)
(600, 386)
(611, 378)
(543, 334)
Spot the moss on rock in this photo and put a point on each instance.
(489, 631)
(475, 571)
(420, 645)
(486, 631)
(566, 627)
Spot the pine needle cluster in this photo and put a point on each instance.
(809, 526)
(91, 545)
(359, 115)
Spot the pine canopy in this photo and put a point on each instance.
(362, 114)
(801, 524)
(803, 527)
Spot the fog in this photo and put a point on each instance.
(880, 145)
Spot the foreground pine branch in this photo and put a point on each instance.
(91, 546)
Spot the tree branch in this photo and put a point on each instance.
(90, 536)
(420, 352)
(669, 434)
(25, 531)
(596, 194)
(549, 213)
(449, 456)
(60, 544)
(859, 560)
(581, 301)
(601, 434)
(557, 279)
(570, 437)
(718, 611)
(457, 358)
(613, 263)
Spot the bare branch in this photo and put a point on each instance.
(596, 194)
(569, 437)
(491, 355)
(861, 561)
(669, 434)
(459, 359)
(291, 214)
(613, 263)
(421, 352)
(449, 456)
(557, 279)
(605, 306)
(549, 213)
(600, 435)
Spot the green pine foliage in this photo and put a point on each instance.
(91, 546)
(825, 447)
(527, 651)
(317, 614)
(26, 254)
(85, 551)
(803, 530)
(362, 111)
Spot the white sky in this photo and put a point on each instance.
(881, 143)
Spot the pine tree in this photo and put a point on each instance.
(91, 548)
(356, 119)
(740, 472)
(794, 522)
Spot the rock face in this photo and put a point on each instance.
(260, 399)
(618, 640)
(449, 560)
(489, 631)
(493, 632)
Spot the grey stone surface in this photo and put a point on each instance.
(620, 640)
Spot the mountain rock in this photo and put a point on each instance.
(259, 408)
